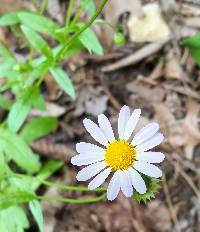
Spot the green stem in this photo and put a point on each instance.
(71, 188)
(68, 16)
(60, 186)
(61, 53)
(72, 200)
(43, 6)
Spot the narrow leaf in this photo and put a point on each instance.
(37, 41)
(63, 80)
(9, 19)
(40, 23)
(21, 108)
(38, 127)
(37, 213)
(89, 39)
(18, 151)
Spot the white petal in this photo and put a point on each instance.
(150, 156)
(90, 171)
(99, 179)
(153, 142)
(124, 116)
(95, 131)
(131, 124)
(106, 127)
(113, 187)
(125, 182)
(147, 169)
(80, 160)
(145, 133)
(137, 181)
(88, 148)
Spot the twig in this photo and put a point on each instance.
(170, 205)
(53, 151)
(139, 55)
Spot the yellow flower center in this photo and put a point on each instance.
(120, 155)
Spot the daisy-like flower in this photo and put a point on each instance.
(125, 158)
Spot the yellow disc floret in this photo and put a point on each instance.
(120, 155)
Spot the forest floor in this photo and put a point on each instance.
(160, 78)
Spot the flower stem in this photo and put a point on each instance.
(68, 16)
(61, 53)
(72, 200)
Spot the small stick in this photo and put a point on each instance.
(139, 55)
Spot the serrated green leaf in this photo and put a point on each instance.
(36, 210)
(63, 80)
(21, 108)
(89, 39)
(9, 19)
(37, 41)
(5, 103)
(17, 150)
(37, 128)
(41, 24)
(13, 219)
(152, 185)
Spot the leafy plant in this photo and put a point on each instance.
(21, 171)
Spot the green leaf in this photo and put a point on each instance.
(40, 103)
(153, 185)
(39, 70)
(41, 24)
(46, 171)
(196, 54)
(5, 52)
(21, 108)
(89, 39)
(63, 80)
(6, 67)
(9, 19)
(5, 103)
(89, 6)
(193, 41)
(4, 169)
(13, 196)
(37, 213)
(38, 127)
(18, 151)
(37, 41)
(13, 219)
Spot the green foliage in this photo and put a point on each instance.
(17, 150)
(63, 80)
(36, 210)
(38, 127)
(37, 41)
(153, 185)
(193, 43)
(21, 108)
(89, 6)
(13, 219)
(90, 41)
(22, 80)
